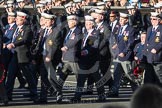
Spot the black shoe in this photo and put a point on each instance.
(112, 94)
(4, 102)
(101, 99)
(75, 99)
(27, 95)
(35, 101)
(43, 101)
(9, 98)
(52, 92)
(22, 86)
(59, 99)
(88, 93)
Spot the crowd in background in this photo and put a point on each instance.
(144, 3)
(85, 43)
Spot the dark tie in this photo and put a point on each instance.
(44, 37)
(112, 26)
(152, 33)
(7, 29)
(68, 36)
(120, 33)
(15, 34)
(84, 39)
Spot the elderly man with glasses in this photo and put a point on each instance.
(153, 46)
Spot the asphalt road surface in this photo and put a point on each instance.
(88, 101)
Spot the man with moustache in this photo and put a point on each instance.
(153, 48)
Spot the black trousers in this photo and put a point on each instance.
(3, 95)
(150, 75)
(9, 59)
(158, 71)
(81, 81)
(68, 67)
(27, 72)
(45, 83)
(104, 65)
(11, 75)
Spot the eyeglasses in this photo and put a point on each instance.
(154, 19)
(112, 16)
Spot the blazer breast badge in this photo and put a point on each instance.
(50, 43)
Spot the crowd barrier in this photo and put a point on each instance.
(60, 9)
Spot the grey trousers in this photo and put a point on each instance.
(158, 71)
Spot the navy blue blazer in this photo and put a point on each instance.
(54, 42)
(113, 39)
(154, 42)
(73, 45)
(126, 44)
(139, 52)
(7, 37)
(91, 47)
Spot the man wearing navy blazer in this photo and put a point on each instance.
(50, 55)
(9, 60)
(89, 60)
(104, 50)
(7, 38)
(153, 46)
(3, 95)
(114, 26)
(70, 52)
(125, 45)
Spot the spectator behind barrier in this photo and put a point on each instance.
(147, 96)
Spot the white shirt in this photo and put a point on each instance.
(11, 25)
(124, 27)
(89, 32)
(155, 27)
(99, 24)
(72, 30)
(44, 45)
(113, 24)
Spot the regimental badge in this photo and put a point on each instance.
(157, 39)
(50, 43)
(125, 38)
(20, 38)
(90, 42)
